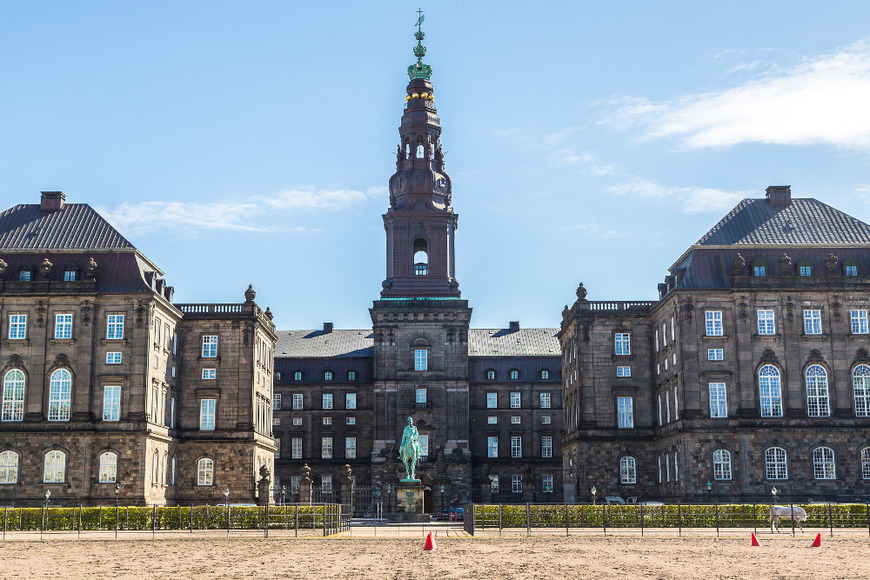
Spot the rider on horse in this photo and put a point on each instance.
(410, 451)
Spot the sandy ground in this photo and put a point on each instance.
(455, 557)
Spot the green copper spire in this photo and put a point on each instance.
(420, 70)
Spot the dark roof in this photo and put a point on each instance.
(522, 342)
(804, 221)
(77, 226)
(317, 344)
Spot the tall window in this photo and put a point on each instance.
(516, 400)
(547, 483)
(715, 354)
(421, 359)
(861, 385)
(209, 346)
(63, 326)
(823, 463)
(718, 401)
(108, 467)
(492, 400)
(420, 396)
(296, 448)
(205, 471)
(722, 464)
(494, 483)
(112, 403)
(770, 391)
(25, 274)
(327, 375)
(350, 447)
(490, 375)
(54, 468)
(9, 467)
(622, 343)
(326, 483)
(59, 392)
(817, 392)
(326, 447)
(546, 446)
(627, 470)
(625, 412)
(545, 400)
(351, 376)
(297, 401)
(276, 401)
(350, 401)
(492, 446)
(545, 374)
(776, 463)
(516, 446)
(297, 375)
(327, 400)
(766, 322)
(514, 374)
(17, 326)
(206, 414)
(13, 396)
(812, 321)
(865, 463)
(713, 322)
(516, 483)
(759, 269)
(859, 322)
(115, 326)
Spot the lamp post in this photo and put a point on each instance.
(227, 501)
(442, 497)
(117, 507)
(44, 507)
(389, 497)
(283, 494)
(593, 491)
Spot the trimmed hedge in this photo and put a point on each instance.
(163, 518)
(663, 516)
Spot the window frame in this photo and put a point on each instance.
(350, 401)
(546, 400)
(775, 463)
(627, 470)
(205, 472)
(421, 359)
(115, 326)
(770, 382)
(10, 462)
(824, 463)
(56, 472)
(516, 400)
(812, 321)
(327, 449)
(817, 391)
(17, 327)
(209, 346)
(722, 465)
(547, 446)
(861, 393)
(296, 448)
(622, 343)
(492, 446)
(207, 414)
(858, 319)
(712, 352)
(326, 401)
(713, 323)
(63, 326)
(60, 396)
(766, 321)
(492, 400)
(108, 472)
(14, 391)
(112, 405)
(719, 402)
(516, 446)
(625, 412)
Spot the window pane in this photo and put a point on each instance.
(625, 412)
(59, 394)
(13, 396)
(112, 403)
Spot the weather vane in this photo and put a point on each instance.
(420, 70)
(420, 17)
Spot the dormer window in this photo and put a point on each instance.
(70, 274)
(545, 374)
(850, 268)
(490, 375)
(351, 375)
(297, 375)
(421, 257)
(514, 374)
(759, 268)
(805, 268)
(25, 274)
(327, 375)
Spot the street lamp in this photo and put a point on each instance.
(283, 494)
(389, 496)
(227, 501)
(709, 486)
(442, 497)
(593, 491)
(47, 498)
(117, 507)
(44, 507)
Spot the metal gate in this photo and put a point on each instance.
(367, 501)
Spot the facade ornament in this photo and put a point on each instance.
(40, 312)
(784, 263)
(15, 361)
(815, 356)
(91, 268)
(565, 312)
(346, 471)
(861, 356)
(789, 309)
(742, 308)
(831, 262)
(738, 264)
(140, 313)
(419, 70)
(45, 267)
(836, 305)
(768, 356)
(305, 472)
(581, 292)
(3, 266)
(250, 294)
(268, 313)
(689, 308)
(388, 283)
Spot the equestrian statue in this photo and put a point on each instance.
(410, 451)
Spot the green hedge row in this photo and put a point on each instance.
(663, 516)
(163, 518)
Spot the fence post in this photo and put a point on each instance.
(5, 519)
(641, 519)
(830, 520)
(867, 506)
(191, 520)
(679, 519)
(153, 521)
(499, 519)
(528, 520)
(604, 519)
(127, 518)
(42, 527)
(296, 521)
(266, 521)
(716, 508)
(791, 505)
(754, 518)
(228, 520)
(566, 520)
(80, 522)
(117, 517)
(100, 519)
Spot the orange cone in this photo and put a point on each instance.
(755, 541)
(430, 542)
(817, 542)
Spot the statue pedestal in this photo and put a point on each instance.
(409, 496)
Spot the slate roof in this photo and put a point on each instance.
(803, 221)
(77, 226)
(523, 342)
(316, 344)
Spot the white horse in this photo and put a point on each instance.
(783, 512)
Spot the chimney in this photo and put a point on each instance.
(327, 328)
(514, 326)
(779, 195)
(52, 200)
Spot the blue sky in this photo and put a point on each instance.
(238, 143)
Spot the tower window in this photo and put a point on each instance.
(421, 151)
(421, 257)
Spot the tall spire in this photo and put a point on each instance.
(420, 70)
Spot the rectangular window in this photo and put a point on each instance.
(17, 326)
(492, 400)
(515, 400)
(622, 343)
(297, 401)
(209, 374)
(115, 327)
(657, 340)
(668, 405)
(172, 414)
(547, 483)
(111, 403)
(625, 410)
(327, 420)
(350, 447)
(276, 401)
(673, 329)
(326, 483)
(713, 322)
(276, 421)
(296, 448)
(547, 446)
(545, 420)
(859, 322)
(420, 396)
(113, 358)
(660, 468)
(424, 446)
(715, 354)
(812, 321)
(326, 448)
(718, 401)
(665, 334)
(766, 322)
(350, 420)
(350, 401)
(492, 420)
(660, 410)
(63, 326)
(421, 359)
(277, 442)
(294, 483)
(545, 400)
(209, 346)
(206, 414)
(297, 421)
(516, 420)
(517, 483)
(623, 371)
(492, 446)
(494, 484)
(516, 446)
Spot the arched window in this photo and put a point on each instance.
(421, 152)
(514, 374)
(775, 463)
(59, 392)
(25, 274)
(770, 391)
(108, 467)
(205, 471)
(865, 463)
(545, 374)
(327, 375)
(490, 375)
(722, 465)
(817, 392)
(421, 257)
(351, 375)
(804, 268)
(54, 468)
(155, 468)
(823, 463)
(759, 268)
(173, 470)
(850, 267)
(861, 385)
(9, 467)
(13, 396)
(627, 470)
(277, 375)
(164, 467)
(70, 274)
(297, 376)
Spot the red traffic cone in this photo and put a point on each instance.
(817, 542)
(430, 542)
(755, 541)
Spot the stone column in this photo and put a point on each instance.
(305, 485)
(346, 486)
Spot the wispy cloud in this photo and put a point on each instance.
(600, 231)
(589, 162)
(248, 214)
(821, 100)
(685, 199)
(558, 149)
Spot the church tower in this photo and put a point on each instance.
(421, 323)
